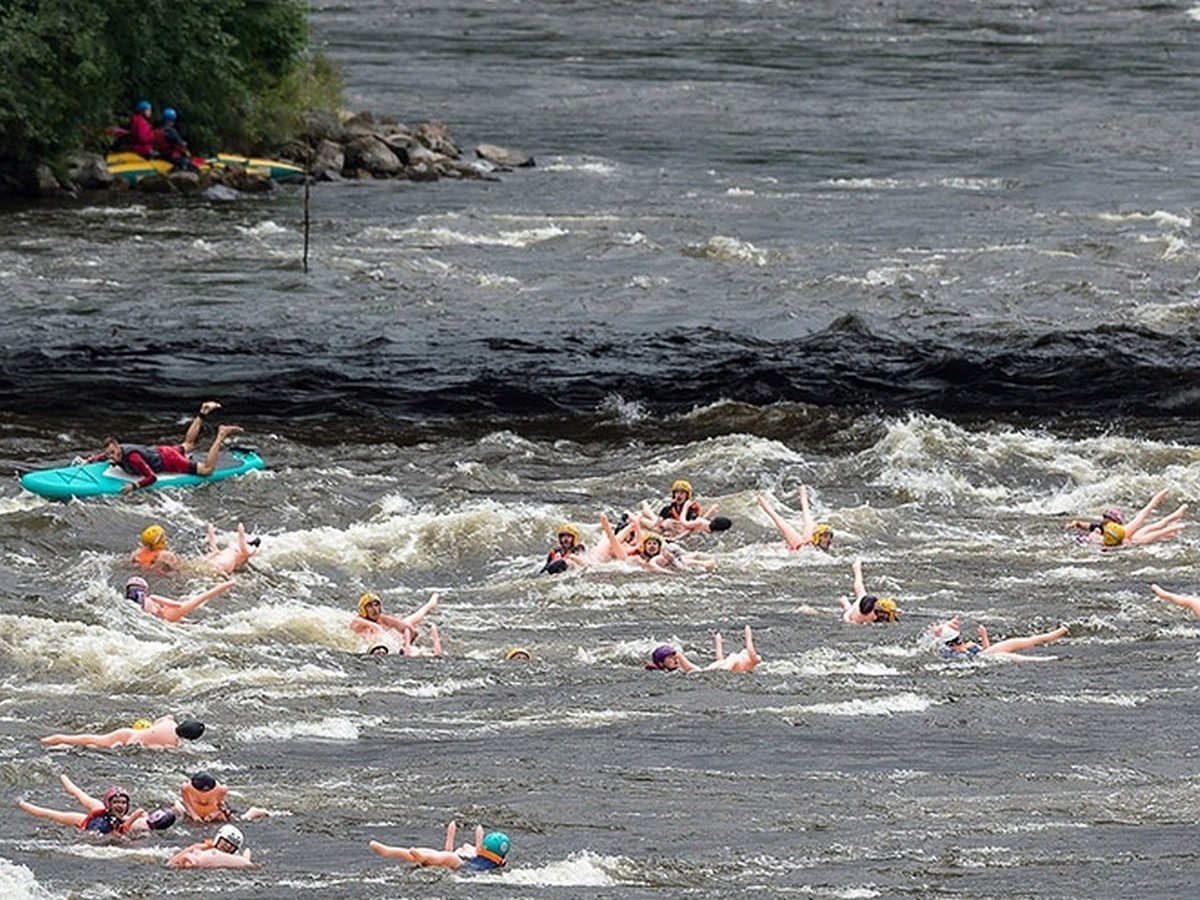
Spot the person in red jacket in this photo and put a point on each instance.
(146, 462)
(141, 132)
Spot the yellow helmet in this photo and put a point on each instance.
(820, 531)
(368, 597)
(568, 528)
(154, 537)
(1112, 534)
(682, 485)
(886, 609)
(651, 536)
(517, 653)
(142, 724)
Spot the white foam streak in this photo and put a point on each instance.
(583, 868)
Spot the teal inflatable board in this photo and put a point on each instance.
(99, 478)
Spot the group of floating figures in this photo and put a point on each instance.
(644, 538)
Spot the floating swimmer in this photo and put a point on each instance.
(819, 535)
(490, 851)
(867, 608)
(137, 590)
(228, 559)
(152, 553)
(381, 630)
(1112, 531)
(567, 552)
(1184, 601)
(668, 658)
(949, 636)
(161, 734)
(203, 799)
(517, 653)
(225, 851)
(111, 814)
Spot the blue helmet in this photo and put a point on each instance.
(169, 114)
(143, 106)
(496, 842)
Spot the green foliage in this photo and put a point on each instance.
(236, 70)
(55, 78)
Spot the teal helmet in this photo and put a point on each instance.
(143, 106)
(496, 842)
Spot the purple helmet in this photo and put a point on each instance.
(662, 653)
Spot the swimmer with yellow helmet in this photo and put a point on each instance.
(152, 553)
(683, 514)
(488, 852)
(567, 552)
(1113, 531)
(819, 535)
(379, 629)
(867, 608)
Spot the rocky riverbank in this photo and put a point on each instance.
(330, 147)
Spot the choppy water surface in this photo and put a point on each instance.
(934, 261)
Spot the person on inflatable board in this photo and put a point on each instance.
(810, 535)
(110, 814)
(228, 559)
(948, 636)
(141, 131)
(203, 799)
(161, 734)
(147, 462)
(567, 552)
(226, 850)
(152, 553)
(490, 851)
(867, 608)
(668, 658)
(169, 142)
(1183, 601)
(683, 515)
(1112, 531)
(380, 630)
(137, 590)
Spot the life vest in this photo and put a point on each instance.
(204, 804)
(690, 510)
(152, 457)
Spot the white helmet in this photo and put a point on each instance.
(231, 833)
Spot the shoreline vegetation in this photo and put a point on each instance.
(242, 75)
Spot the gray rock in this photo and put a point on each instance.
(502, 156)
(45, 180)
(89, 171)
(370, 153)
(436, 136)
(328, 161)
(185, 182)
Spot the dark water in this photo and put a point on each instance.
(933, 260)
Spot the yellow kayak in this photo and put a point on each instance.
(133, 168)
